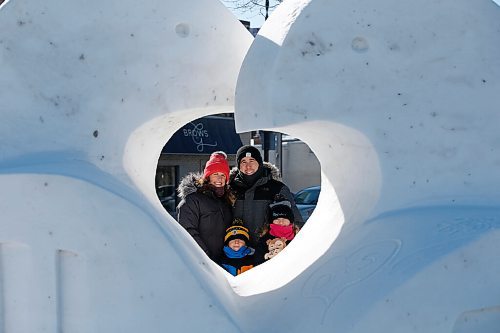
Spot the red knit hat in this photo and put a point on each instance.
(217, 163)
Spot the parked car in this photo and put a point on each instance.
(166, 194)
(306, 200)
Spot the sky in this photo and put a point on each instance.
(255, 18)
(405, 235)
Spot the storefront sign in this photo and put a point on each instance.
(204, 136)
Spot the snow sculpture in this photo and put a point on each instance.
(398, 100)
(89, 94)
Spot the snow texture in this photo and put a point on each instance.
(399, 100)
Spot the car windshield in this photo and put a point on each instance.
(307, 197)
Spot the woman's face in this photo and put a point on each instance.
(217, 179)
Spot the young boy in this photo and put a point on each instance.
(237, 257)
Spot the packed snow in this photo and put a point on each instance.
(398, 100)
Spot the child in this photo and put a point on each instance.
(237, 257)
(279, 232)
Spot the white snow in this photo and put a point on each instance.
(398, 100)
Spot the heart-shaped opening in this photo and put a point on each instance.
(190, 147)
(344, 169)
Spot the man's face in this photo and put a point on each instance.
(248, 165)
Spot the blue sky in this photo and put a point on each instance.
(257, 20)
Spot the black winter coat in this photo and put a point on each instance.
(252, 202)
(204, 216)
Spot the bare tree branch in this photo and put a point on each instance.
(263, 7)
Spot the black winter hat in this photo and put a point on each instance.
(281, 208)
(236, 231)
(248, 151)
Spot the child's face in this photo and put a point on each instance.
(282, 221)
(236, 244)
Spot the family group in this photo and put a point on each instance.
(240, 217)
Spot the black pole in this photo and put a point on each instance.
(266, 144)
(279, 152)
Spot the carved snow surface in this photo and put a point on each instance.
(398, 100)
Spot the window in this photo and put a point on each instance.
(166, 184)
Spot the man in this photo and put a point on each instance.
(254, 185)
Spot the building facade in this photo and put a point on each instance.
(190, 147)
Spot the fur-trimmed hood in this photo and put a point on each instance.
(189, 184)
(194, 182)
(269, 168)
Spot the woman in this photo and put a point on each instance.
(204, 210)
